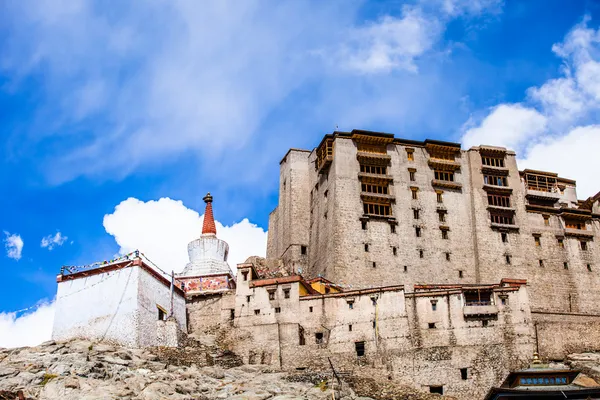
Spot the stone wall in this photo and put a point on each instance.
(99, 307)
(474, 251)
(119, 306)
(151, 295)
(560, 334)
(422, 338)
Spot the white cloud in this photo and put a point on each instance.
(391, 43)
(162, 229)
(140, 83)
(508, 125)
(555, 128)
(52, 241)
(28, 329)
(580, 149)
(14, 245)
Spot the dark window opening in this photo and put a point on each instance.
(589, 267)
(360, 348)
(541, 262)
(405, 268)
(392, 228)
(394, 251)
(484, 323)
(436, 389)
(421, 254)
(364, 225)
(499, 200)
(508, 259)
(351, 305)
(504, 301)
(277, 310)
(504, 219)
(245, 275)
(162, 314)
(444, 234)
(303, 250)
(442, 215)
(583, 245)
(301, 339)
(480, 297)
(366, 247)
(310, 309)
(350, 328)
(463, 374)
(286, 293)
(412, 175)
(440, 197)
(418, 231)
(271, 295)
(460, 274)
(433, 306)
(325, 193)
(537, 240)
(247, 299)
(256, 312)
(377, 209)
(415, 213)
(319, 337)
(495, 180)
(447, 256)
(374, 264)
(431, 325)
(444, 176)
(492, 161)
(232, 314)
(566, 265)
(374, 324)
(504, 237)
(561, 243)
(372, 188)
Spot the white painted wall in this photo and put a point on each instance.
(152, 293)
(98, 307)
(118, 306)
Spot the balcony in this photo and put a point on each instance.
(492, 170)
(446, 184)
(582, 233)
(492, 207)
(483, 309)
(497, 189)
(542, 195)
(373, 158)
(504, 227)
(375, 178)
(443, 164)
(377, 197)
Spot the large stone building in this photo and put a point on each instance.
(368, 209)
(440, 268)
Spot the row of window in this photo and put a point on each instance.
(492, 161)
(372, 188)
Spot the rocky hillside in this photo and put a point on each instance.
(81, 370)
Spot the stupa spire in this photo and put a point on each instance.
(208, 227)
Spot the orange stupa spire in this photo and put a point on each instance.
(208, 227)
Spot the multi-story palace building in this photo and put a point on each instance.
(369, 209)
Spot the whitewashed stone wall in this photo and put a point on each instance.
(117, 306)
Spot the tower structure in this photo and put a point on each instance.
(208, 268)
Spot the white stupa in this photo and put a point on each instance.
(208, 254)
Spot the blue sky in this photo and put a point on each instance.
(102, 103)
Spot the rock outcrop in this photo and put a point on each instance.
(82, 370)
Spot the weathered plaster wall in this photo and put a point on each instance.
(151, 294)
(99, 307)
(560, 334)
(117, 306)
(394, 326)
